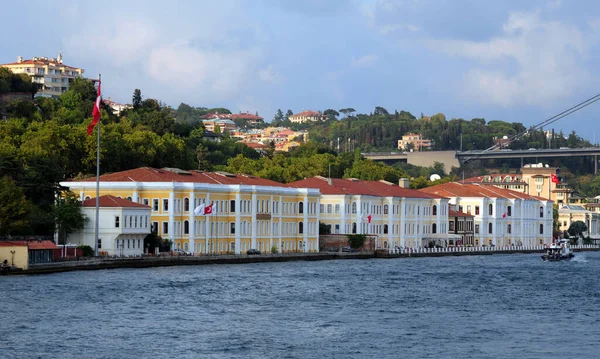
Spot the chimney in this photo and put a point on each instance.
(19, 59)
(403, 182)
(330, 181)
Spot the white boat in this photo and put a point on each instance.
(558, 251)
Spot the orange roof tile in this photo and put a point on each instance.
(148, 174)
(112, 201)
(39, 62)
(456, 189)
(13, 243)
(245, 116)
(39, 245)
(453, 213)
(307, 113)
(359, 187)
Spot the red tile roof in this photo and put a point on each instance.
(148, 174)
(349, 186)
(210, 116)
(39, 62)
(245, 116)
(39, 245)
(255, 145)
(453, 213)
(307, 113)
(112, 201)
(456, 189)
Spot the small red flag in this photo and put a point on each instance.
(369, 218)
(95, 112)
(208, 210)
(554, 178)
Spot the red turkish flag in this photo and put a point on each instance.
(369, 218)
(95, 112)
(554, 178)
(208, 210)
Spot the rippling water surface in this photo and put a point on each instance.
(499, 306)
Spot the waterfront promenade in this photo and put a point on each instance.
(173, 260)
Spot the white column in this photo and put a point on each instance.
(390, 220)
(238, 223)
(305, 221)
(280, 229)
(342, 215)
(192, 220)
(402, 215)
(207, 219)
(135, 197)
(171, 232)
(525, 242)
(253, 220)
(270, 223)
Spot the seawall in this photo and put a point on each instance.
(167, 261)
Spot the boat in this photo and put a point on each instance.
(558, 251)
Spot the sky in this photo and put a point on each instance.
(516, 61)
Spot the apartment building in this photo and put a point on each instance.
(414, 142)
(536, 180)
(501, 217)
(396, 215)
(248, 212)
(52, 76)
(307, 116)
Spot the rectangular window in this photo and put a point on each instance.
(509, 211)
(329, 208)
(337, 229)
(232, 228)
(469, 209)
(476, 210)
(165, 227)
(145, 201)
(476, 229)
(232, 206)
(117, 224)
(321, 208)
(337, 208)
(155, 227)
(99, 243)
(155, 204)
(165, 205)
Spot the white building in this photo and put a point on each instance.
(122, 228)
(52, 76)
(501, 217)
(396, 215)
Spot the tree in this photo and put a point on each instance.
(136, 100)
(577, 228)
(14, 208)
(331, 113)
(278, 118)
(288, 114)
(68, 216)
(324, 228)
(380, 111)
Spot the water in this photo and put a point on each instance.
(499, 306)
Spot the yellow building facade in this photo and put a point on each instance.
(248, 212)
(15, 254)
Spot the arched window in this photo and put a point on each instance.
(186, 204)
(301, 207)
(509, 229)
(87, 197)
(300, 227)
(385, 229)
(186, 227)
(490, 227)
(434, 211)
(354, 227)
(541, 229)
(541, 212)
(354, 208)
(128, 198)
(491, 210)
(434, 228)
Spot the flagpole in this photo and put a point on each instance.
(96, 229)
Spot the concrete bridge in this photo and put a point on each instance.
(455, 158)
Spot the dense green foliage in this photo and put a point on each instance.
(356, 240)
(10, 82)
(577, 228)
(44, 142)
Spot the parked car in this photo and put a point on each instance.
(180, 252)
(347, 249)
(252, 251)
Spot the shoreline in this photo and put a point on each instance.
(169, 261)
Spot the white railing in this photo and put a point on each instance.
(409, 251)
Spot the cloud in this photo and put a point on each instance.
(270, 75)
(365, 61)
(533, 61)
